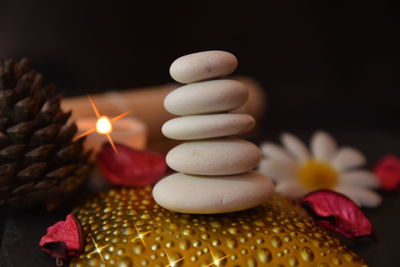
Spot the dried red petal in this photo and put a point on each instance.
(388, 172)
(131, 167)
(338, 213)
(63, 239)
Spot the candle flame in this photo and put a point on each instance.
(103, 125)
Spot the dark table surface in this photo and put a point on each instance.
(20, 230)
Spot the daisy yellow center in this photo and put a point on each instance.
(316, 175)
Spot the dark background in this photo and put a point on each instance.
(323, 65)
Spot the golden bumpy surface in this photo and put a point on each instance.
(126, 227)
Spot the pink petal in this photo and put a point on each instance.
(337, 213)
(63, 239)
(131, 167)
(388, 172)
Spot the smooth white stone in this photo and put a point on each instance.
(206, 97)
(204, 194)
(207, 126)
(222, 156)
(202, 66)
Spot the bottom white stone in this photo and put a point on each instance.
(212, 194)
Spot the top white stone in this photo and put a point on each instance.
(203, 66)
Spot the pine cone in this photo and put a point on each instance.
(38, 159)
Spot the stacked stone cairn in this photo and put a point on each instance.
(214, 167)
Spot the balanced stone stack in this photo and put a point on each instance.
(214, 168)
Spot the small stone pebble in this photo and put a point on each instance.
(203, 66)
(222, 156)
(207, 126)
(206, 97)
(212, 194)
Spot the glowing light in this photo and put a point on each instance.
(98, 249)
(103, 124)
(171, 262)
(216, 261)
(140, 235)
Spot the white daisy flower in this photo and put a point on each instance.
(297, 171)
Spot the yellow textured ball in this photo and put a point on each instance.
(127, 228)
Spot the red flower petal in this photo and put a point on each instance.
(131, 167)
(337, 213)
(63, 239)
(388, 172)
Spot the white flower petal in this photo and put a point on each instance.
(275, 152)
(295, 146)
(291, 189)
(364, 197)
(362, 178)
(323, 146)
(277, 170)
(348, 158)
